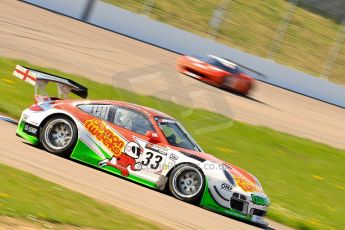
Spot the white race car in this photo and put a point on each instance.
(139, 143)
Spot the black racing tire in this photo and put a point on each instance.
(187, 183)
(59, 135)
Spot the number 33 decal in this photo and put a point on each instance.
(153, 160)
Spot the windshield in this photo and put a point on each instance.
(176, 135)
(222, 64)
(231, 69)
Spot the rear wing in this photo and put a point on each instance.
(40, 80)
(259, 75)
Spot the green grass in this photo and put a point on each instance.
(252, 25)
(24, 195)
(304, 179)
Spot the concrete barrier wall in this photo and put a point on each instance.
(72, 8)
(145, 29)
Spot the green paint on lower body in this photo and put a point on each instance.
(85, 154)
(20, 131)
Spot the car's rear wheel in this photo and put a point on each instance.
(59, 135)
(228, 82)
(187, 183)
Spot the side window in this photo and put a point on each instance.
(216, 63)
(132, 120)
(100, 111)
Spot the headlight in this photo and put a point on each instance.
(258, 183)
(228, 176)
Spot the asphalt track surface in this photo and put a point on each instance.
(152, 205)
(43, 38)
(52, 40)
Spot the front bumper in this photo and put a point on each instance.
(27, 129)
(235, 205)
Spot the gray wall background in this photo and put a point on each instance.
(159, 34)
(332, 8)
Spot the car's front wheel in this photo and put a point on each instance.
(59, 135)
(187, 183)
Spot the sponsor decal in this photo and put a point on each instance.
(245, 185)
(169, 121)
(153, 156)
(30, 129)
(134, 156)
(157, 148)
(110, 139)
(173, 157)
(25, 117)
(126, 160)
(259, 200)
(226, 187)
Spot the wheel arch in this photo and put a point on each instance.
(177, 165)
(44, 121)
(66, 150)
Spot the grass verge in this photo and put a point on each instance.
(253, 25)
(23, 195)
(304, 179)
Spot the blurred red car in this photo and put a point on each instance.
(216, 71)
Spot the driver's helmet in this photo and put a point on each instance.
(172, 139)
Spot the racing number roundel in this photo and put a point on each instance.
(153, 156)
(151, 160)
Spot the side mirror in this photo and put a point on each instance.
(153, 137)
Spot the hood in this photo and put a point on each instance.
(246, 181)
